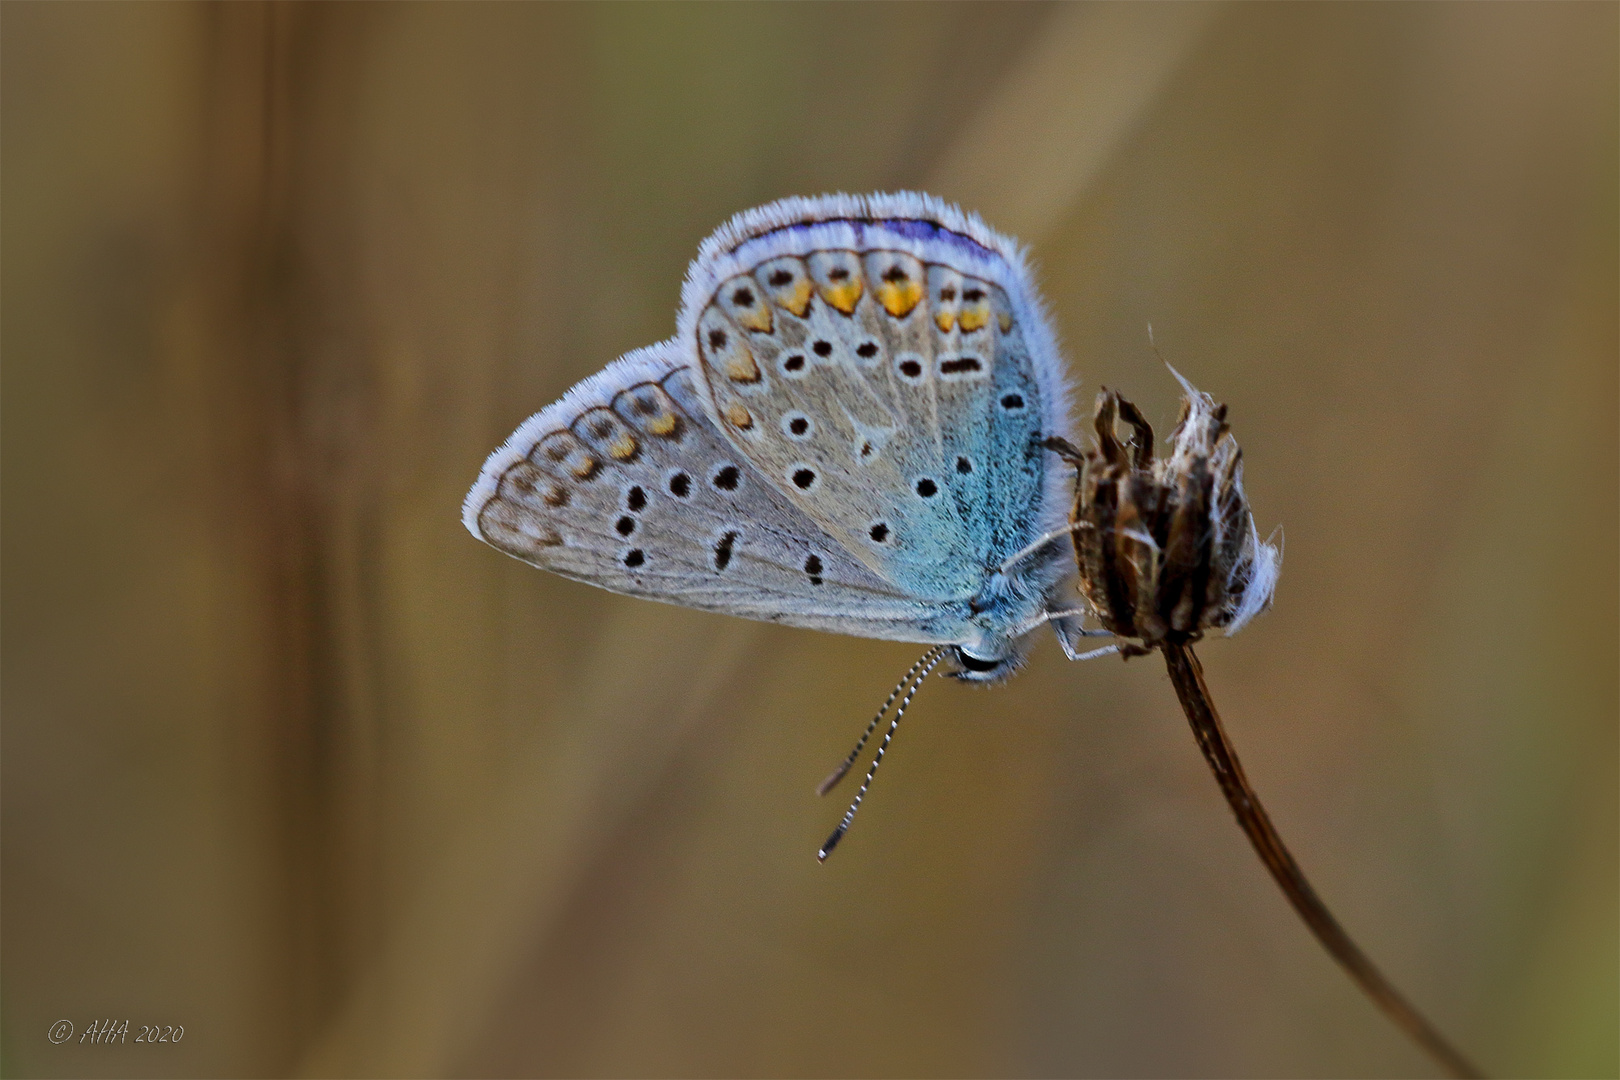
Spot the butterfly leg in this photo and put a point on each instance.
(1093, 654)
(1070, 634)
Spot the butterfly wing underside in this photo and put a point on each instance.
(626, 484)
(883, 374)
(844, 434)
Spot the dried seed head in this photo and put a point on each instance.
(1166, 546)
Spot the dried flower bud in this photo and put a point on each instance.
(1167, 546)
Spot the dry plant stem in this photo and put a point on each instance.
(1188, 677)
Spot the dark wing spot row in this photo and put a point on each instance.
(897, 282)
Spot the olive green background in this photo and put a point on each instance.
(291, 760)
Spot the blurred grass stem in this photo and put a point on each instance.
(1187, 675)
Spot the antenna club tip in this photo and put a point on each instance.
(832, 842)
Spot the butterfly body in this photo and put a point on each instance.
(845, 433)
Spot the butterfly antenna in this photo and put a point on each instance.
(932, 658)
(843, 770)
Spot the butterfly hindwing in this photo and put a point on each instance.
(880, 372)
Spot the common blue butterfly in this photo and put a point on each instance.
(850, 431)
(845, 433)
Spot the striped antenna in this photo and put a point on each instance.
(929, 661)
(843, 770)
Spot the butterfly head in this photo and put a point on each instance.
(1002, 621)
(974, 668)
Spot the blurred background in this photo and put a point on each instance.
(291, 760)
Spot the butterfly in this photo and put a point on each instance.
(846, 433)
(861, 425)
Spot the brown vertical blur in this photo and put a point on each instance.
(292, 761)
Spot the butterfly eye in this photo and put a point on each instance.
(974, 664)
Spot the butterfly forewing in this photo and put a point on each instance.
(627, 485)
